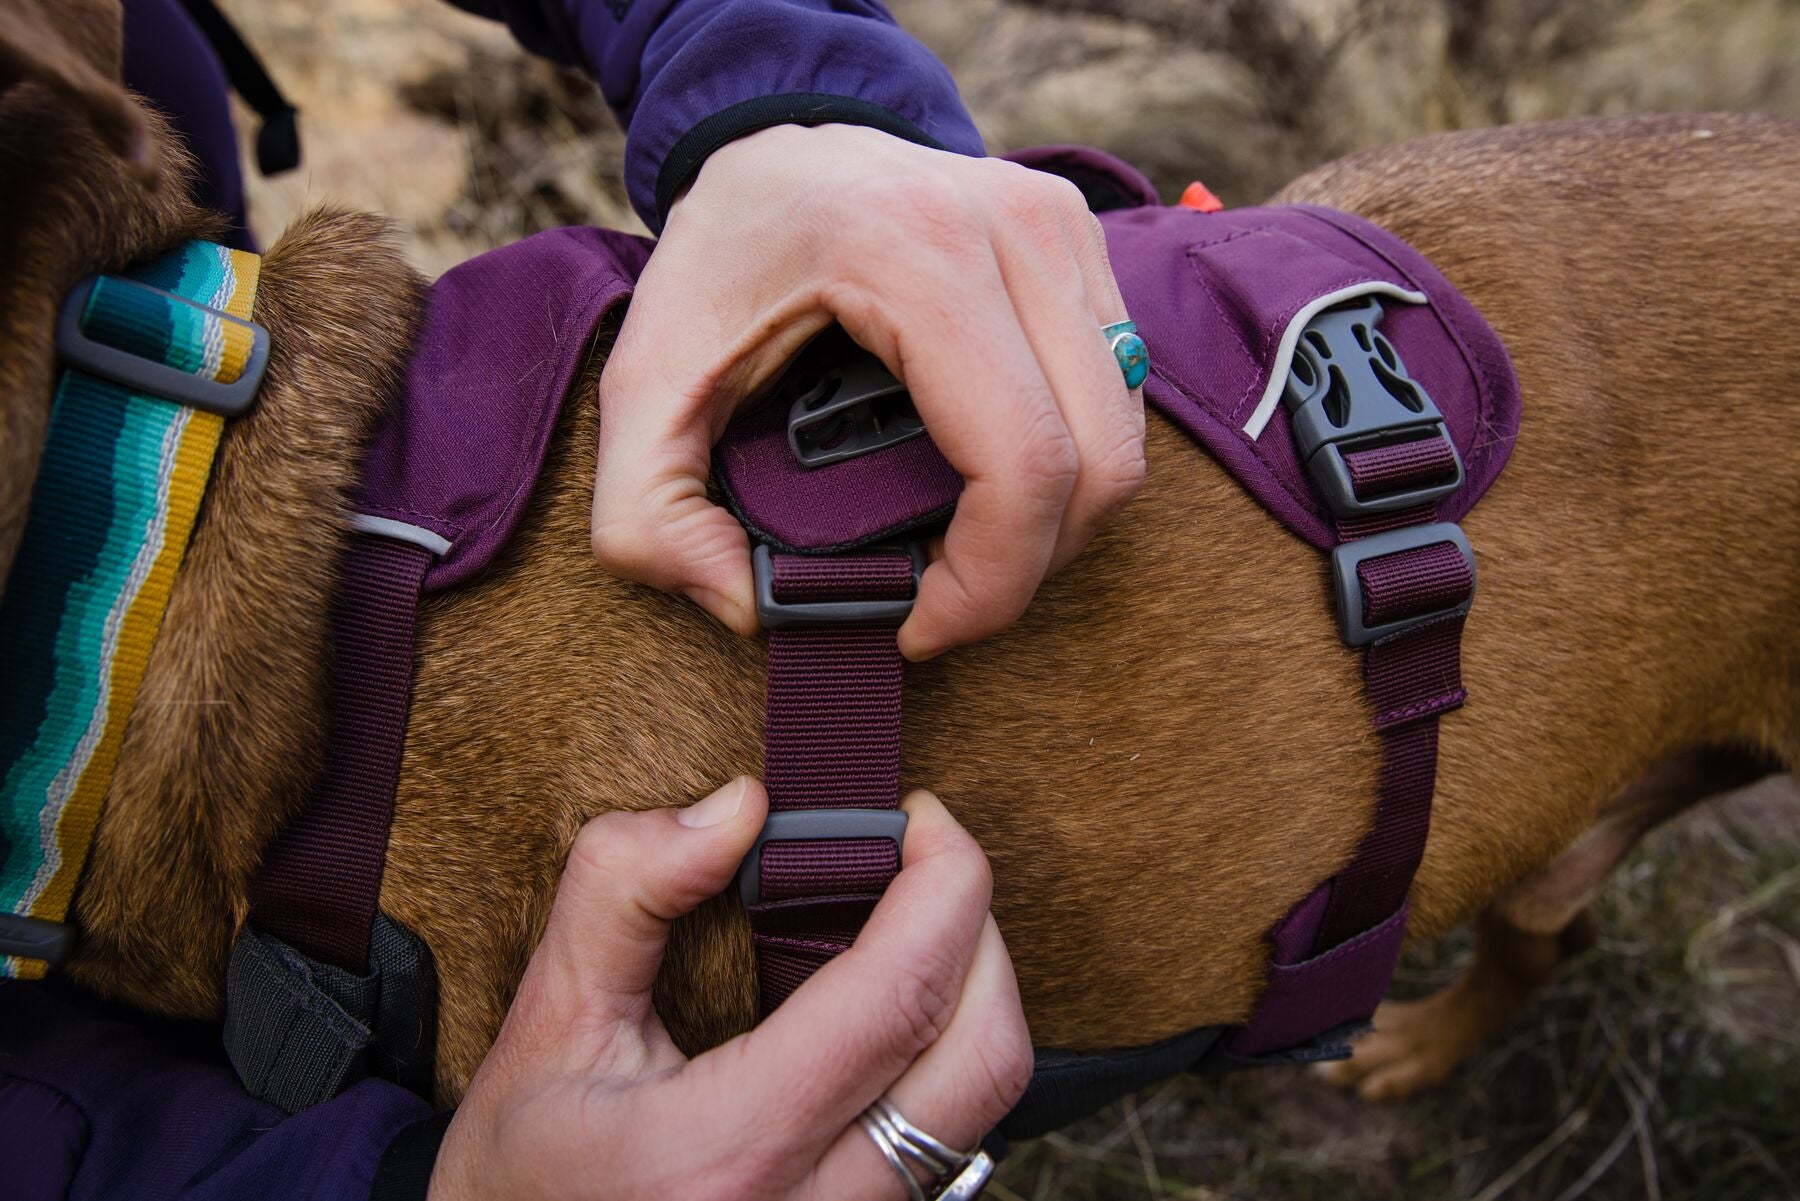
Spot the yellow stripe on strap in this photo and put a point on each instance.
(246, 269)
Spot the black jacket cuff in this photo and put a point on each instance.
(692, 149)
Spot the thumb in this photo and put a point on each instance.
(630, 875)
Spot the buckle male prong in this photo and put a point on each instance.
(158, 379)
(848, 405)
(1347, 390)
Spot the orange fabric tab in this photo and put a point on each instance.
(1198, 196)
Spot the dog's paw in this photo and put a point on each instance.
(1414, 1045)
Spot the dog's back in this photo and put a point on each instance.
(1169, 749)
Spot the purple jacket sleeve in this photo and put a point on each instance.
(98, 1102)
(687, 76)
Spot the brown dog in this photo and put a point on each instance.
(1160, 758)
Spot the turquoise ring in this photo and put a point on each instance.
(1129, 349)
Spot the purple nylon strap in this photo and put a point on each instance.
(1335, 953)
(320, 877)
(1406, 465)
(832, 741)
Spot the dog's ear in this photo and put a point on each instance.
(76, 49)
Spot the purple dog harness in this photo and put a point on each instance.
(1328, 366)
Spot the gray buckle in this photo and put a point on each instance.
(1346, 557)
(158, 379)
(35, 938)
(848, 404)
(778, 615)
(1347, 390)
(813, 825)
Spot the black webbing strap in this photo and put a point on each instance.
(299, 1030)
(278, 141)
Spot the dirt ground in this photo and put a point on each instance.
(1665, 1063)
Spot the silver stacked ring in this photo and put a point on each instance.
(951, 1175)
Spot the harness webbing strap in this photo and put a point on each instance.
(833, 701)
(1335, 952)
(125, 464)
(1410, 679)
(1402, 466)
(320, 877)
(831, 741)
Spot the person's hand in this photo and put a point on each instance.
(584, 1095)
(981, 284)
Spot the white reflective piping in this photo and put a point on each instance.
(1290, 338)
(399, 531)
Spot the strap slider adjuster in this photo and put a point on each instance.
(1347, 394)
(776, 614)
(84, 353)
(814, 825)
(1379, 593)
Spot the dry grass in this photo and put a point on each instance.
(1663, 1064)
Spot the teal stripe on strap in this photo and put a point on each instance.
(199, 271)
(94, 423)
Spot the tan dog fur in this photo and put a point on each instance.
(1166, 752)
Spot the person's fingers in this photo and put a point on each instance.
(653, 523)
(674, 376)
(836, 1044)
(628, 876)
(947, 327)
(958, 1089)
(981, 285)
(1052, 255)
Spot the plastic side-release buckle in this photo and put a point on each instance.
(1348, 391)
(778, 615)
(158, 379)
(845, 404)
(816, 825)
(1347, 583)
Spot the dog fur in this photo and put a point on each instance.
(1166, 752)
(227, 730)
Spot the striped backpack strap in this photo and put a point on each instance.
(154, 360)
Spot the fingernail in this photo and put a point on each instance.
(727, 611)
(913, 652)
(721, 806)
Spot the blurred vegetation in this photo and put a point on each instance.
(1663, 1064)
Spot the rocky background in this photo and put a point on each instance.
(1663, 1064)
(416, 109)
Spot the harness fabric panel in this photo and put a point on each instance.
(1213, 295)
(503, 338)
(1220, 299)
